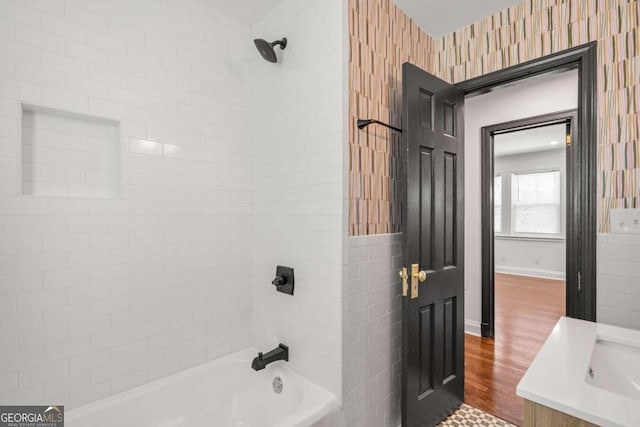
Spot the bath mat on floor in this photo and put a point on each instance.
(468, 416)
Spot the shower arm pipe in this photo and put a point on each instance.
(363, 123)
(282, 43)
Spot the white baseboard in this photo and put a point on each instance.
(472, 327)
(530, 272)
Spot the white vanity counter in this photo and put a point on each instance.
(557, 378)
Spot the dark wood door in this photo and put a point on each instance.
(433, 310)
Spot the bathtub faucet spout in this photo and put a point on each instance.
(279, 353)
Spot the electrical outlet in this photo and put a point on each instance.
(624, 221)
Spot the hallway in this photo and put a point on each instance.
(527, 308)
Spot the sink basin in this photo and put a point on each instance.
(615, 367)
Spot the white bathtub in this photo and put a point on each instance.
(222, 393)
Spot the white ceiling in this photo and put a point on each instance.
(436, 17)
(440, 17)
(529, 140)
(246, 11)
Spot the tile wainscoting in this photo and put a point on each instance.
(619, 280)
(372, 332)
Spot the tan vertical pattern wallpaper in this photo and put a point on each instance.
(382, 38)
(536, 28)
(528, 31)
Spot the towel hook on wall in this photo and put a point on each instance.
(363, 123)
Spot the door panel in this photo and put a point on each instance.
(426, 349)
(449, 209)
(426, 109)
(449, 333)
(433, 335)
(426, 208)
(448, 110)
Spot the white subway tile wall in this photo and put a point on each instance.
(372, 332)
(97, 296)
(618, 291)
(298, 186)
(68, 155)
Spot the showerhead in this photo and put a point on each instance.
(267, 50)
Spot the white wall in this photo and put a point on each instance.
(298, 185)
(97, 296)
(532, 97)
(530, 256)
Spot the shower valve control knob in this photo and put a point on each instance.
(284, 280)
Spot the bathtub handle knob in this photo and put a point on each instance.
(284, 280)
(279, 281)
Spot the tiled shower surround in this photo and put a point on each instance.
(298, 186)
(230, 166)
(97, 296)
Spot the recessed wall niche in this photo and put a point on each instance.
(69, 155)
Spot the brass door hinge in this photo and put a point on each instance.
(568, 140)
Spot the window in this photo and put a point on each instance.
(497, 204)
(536, 202)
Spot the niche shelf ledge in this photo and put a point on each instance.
(70, 155)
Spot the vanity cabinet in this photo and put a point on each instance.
(536, 415)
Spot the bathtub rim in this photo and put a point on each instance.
(244, 355)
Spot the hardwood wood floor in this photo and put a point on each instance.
(527, 308)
